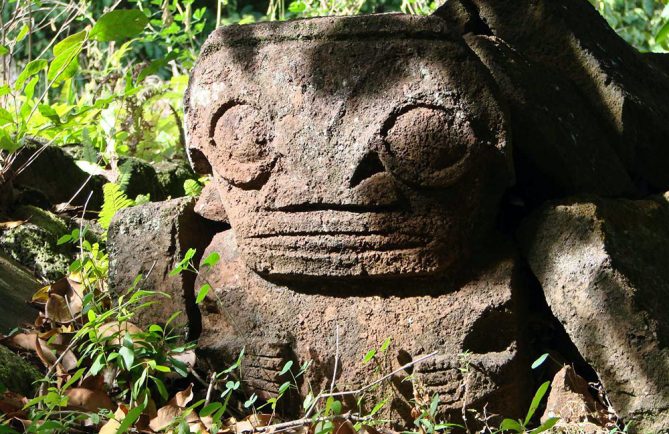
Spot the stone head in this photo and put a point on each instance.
(349, 147)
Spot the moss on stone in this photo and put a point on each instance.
(37, 249)
(16, 374)
(46, 220)
(172, 176)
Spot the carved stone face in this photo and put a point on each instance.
(349, 147)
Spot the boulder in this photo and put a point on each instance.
(34, 242)
(150, 240)
(172, 175)
(139, 177)
(54, 174)
(561, 146)
(17, 286)
(625, 91)
(16, 374)
(209, 205)
(604, 269)
(571, 401)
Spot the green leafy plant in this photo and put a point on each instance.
(521, 425)
(114, 201)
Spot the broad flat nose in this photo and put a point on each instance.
(369, 186)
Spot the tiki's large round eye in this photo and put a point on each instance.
(241, 151)
(428, 146)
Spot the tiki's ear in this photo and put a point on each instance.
(209, 205)
(462, 17)
(198, 161)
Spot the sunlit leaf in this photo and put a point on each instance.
(119, 24)
(537, 400)
(369, 356)
(663, 33)
(511, 425)
(539, 361)
(202, 293)
(212, 259)
(65, 64)
(128, 356)
(22, 33)
(130, 419)
(29, 70)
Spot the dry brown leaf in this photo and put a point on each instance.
(165, 417)
(243, 426)
(20, 424)
(252, 422)
(75, 277)
(186, 357)
(166, 414)
(198, 427)
(45, 336)
(113, 425)
(31, 342)
(116, 331)
(57, 309)
(260, 419)
(93, 382)
(181, 399)
(75, 295)
(208, 421)
(71, 290)
(69, 361)
(89, 400)
(20, 341)
(11, 402)
(40, 320)
(12, 224)
(47, 356)
(343, 426)
(41, 295)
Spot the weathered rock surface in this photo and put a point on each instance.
(627, 93)
(561, 146)
(160, 181)
(209, 205)
(139, 177)
(604, 268)
(150, 240)
(34, 243)
(571, 401)
(475, 328)
(16, 374)
(55, 174)
(172, 176)
(17, 286)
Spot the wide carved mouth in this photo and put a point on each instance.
(336, 241)
(335, 223)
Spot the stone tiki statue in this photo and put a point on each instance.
(361, 162)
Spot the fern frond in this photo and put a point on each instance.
(114, 200)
